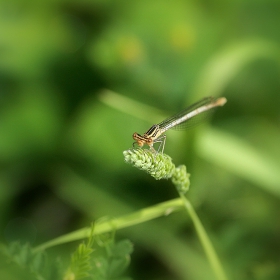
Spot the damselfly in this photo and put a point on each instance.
(181, 120)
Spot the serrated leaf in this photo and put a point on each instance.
(122, 248)
(24, 256)
(13, 248)
(55, 272)
(100, 267)
(38, 262)
(118, 266)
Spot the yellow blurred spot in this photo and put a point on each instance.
(131, 49)
(182, 37)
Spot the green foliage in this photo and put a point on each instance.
(38, 264)
(102, 260)
(180, 179)
(158, 165)
(80, 260)
(115, 260)
(77, 78)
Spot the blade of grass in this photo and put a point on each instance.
(146, 214)
(223, 67)
(130, 106)
(240, 158)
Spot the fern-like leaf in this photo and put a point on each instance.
(35, 263)
(80, 260)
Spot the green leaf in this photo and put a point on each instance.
(223, 67)
(118, 266)
(240, 158)
(24, 256)
(123, 248)
(120, 257)
(38, 262)
(100, 267)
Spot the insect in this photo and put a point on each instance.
(181, 120)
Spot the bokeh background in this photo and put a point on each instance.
(77, 78)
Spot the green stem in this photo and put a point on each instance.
(146, 214)
(160, 166)
(205, 241)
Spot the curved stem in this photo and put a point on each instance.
(204, 239)
(146, 214)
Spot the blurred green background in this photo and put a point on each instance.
(77, 78)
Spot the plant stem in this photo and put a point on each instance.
(146, 214)
(205, 241)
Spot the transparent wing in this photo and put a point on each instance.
(192, 120)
